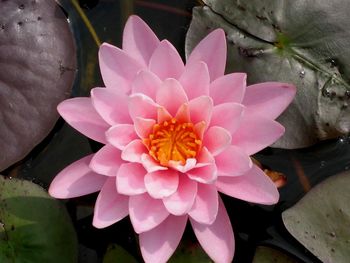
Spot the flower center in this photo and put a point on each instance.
(173, 141)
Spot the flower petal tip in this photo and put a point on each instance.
(217, 33)
(55, 192)
(98, 224)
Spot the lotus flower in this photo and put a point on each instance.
(175, 135)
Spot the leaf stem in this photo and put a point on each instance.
(86, 22)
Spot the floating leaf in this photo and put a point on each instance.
(37, 71)
(189, 252)
(268, 255)
(116, 254)
(87, 255)
(34, 227)
(321, 219)
(304, 42)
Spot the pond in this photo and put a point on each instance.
(259, 230)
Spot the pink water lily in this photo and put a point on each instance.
(175, 135)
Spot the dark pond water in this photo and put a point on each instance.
(253, 225)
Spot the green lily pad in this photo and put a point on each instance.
(116, 253)
(321, 219)
(304, 42)
(38, 64)
(33, 226)
(189, 252)
(268, 255)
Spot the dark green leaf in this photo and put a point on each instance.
(34, 227)
(189, 252)
(268, 255)
(116, 254)
(303, 42)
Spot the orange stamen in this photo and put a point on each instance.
(173, 141)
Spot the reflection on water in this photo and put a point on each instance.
(314, 163)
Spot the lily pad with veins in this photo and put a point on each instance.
(38, 63)
(303, 42)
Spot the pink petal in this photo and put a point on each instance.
(158, 244)
(200, 128)
(228, 88)
(117, 67)
(106, 161)
(195, 80)
(133, 151)
(163, 115)
(254, 186)
(130, 179)
(268, 99)
(81, 115)
(143, 127)
(205, 206)
(171, 95)
(139, 41)
(233, 162)
(146, 83)
(183, 113)
(150, 164)
(161, 184)
(142, 106)
(177, 165)
(182, 200)
(166, 61)
(216, 239)
(146, 212)
(204, 157)
(256, 133)
(111, 104)
(110, 206)
(201, 109)
(212, 51)
(217, 139)
(227, 116)
(203, 174)
(76, 179)
(121, 135)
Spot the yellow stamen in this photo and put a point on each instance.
(173, 141)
